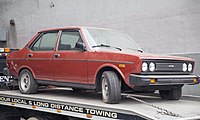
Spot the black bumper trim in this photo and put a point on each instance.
(144, 80)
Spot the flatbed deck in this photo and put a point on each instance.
(89, 105)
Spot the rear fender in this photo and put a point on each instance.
(26, 67)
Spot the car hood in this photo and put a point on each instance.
(145, 55)
(162, 56)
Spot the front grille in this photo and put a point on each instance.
(169, 67)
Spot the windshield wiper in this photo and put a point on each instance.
(139, 50)
(103, 45)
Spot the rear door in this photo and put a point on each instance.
(40, 55)
(69, 62)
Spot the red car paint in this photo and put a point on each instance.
(78, 67)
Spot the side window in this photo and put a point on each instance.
(69, 39)
(46, 42)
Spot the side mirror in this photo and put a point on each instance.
(80, 46)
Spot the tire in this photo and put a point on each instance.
(173, 94)
(110, 87)
(27, 84)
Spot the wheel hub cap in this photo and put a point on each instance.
(104, 88)
(25, 82)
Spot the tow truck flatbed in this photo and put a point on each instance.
(90, 106)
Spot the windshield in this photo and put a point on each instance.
(103, 37)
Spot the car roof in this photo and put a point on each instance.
(60, 28)
(69, 27)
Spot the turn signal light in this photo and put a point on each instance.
(152, 81)
(7, 49)
(195, 80)
(122, 65)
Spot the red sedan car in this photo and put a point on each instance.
(100, 59)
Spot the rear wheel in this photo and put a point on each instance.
(110, 87)
(173, 94)
(27, 83)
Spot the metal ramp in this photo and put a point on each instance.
(88, 105)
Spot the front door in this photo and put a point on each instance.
(69, 62)
(40, 55)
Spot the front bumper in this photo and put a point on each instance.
(152, 80)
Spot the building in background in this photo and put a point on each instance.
(159, 26)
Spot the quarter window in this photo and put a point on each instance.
(46, 42)
(69, 39)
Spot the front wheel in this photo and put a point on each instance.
(110, 87)
(173, 94)
(27, 84)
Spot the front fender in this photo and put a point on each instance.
(112, 66)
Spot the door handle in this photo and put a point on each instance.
(56, 55)
(30, 55)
